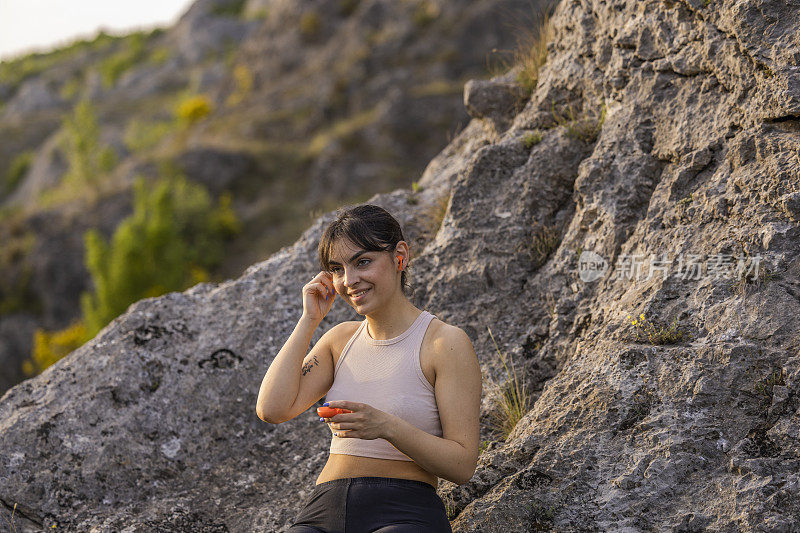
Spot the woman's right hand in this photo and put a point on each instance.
(318, 296)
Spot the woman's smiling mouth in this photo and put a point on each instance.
(358, 296)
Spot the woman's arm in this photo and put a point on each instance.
(282, 381)
(454, 456)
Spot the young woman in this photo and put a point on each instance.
(411, 382)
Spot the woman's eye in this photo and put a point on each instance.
(333, 270)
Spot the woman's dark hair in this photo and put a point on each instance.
(368, 226)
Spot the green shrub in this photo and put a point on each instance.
(49, 347)
(259, 14)
(70, 88)
(169, 242)
(16, 171)
(232, 8)
(141, 136)
(89, 161)
(160, 55)
(133, 52)
(15, 71)
(531, 139)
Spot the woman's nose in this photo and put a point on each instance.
(350, 279)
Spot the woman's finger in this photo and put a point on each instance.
(320, 289)
(320, 278)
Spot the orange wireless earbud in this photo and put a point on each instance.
(400, 267)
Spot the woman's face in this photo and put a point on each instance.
(355, 270)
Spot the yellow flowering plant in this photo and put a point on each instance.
(649, 332)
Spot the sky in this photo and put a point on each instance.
(38, 25)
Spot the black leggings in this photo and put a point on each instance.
(372, 504)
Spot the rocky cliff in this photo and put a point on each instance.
(309, 104)
(659, 130)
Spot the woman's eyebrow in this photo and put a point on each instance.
(353, 258)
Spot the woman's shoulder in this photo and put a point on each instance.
(442, 341)
(443, 335)
(341, 333)
(344, 330)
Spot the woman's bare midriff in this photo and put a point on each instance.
(343, 466)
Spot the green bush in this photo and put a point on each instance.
(89, 160)
(70, 88)
(141, 136)
(173, 236)
(16, 171)
(260, 14)
(160, 55)
(49, 347)
(531, 139)
(232, 8)
(117, 64)
(17, 70)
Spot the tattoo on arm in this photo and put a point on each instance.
(308, 366)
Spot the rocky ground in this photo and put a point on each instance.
(662, 130)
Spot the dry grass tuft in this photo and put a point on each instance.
(530, 53)
(584, 128)
(512, 397)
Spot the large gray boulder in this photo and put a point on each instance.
(151, 425)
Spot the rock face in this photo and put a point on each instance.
(684, 143)
(313, 103)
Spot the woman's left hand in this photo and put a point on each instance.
(365, 422)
